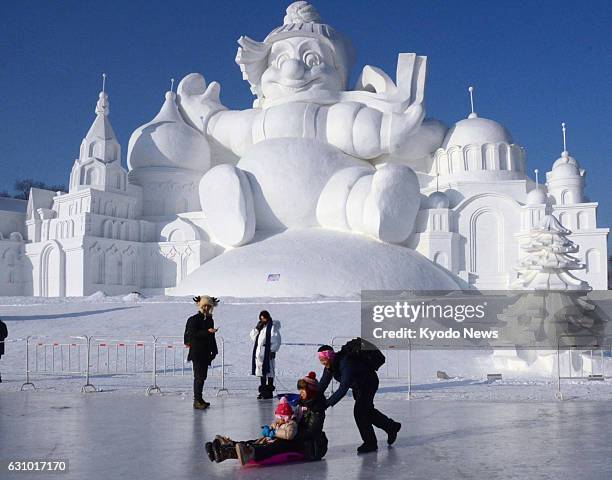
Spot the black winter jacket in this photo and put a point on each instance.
(3, 335)
(350, 372)
(203, 346)
(310, 425)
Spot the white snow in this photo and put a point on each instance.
(310, 261)
(307, 322)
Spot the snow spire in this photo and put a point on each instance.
(102, 106)
(473, 114)
(548, 261)
(536, 171)
(172, 84)
(101, 141)
(564, 137)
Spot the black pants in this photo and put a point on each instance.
(267, 450)
(200, 372)
(366, 416)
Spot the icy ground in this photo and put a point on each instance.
(311, 321)
(115, 436)
(464, 427)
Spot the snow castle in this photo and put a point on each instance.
(318, 189)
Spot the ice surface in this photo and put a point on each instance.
(111, 436)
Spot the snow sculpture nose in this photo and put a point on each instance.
(293, 69)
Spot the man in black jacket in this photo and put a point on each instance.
(200, 337)
(3, 335)
(353, 373)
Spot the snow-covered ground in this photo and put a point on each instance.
(306, 323)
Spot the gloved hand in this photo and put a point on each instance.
(260, 325)
(268, 431)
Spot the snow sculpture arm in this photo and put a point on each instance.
(367, 133)
(202, 107)
(382, 115)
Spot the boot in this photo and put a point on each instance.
(244, 452)
(200, 405)
(209, 451)
(367, 448)
(261, 392)
(268, 390)
(392, 432)
(222, 451)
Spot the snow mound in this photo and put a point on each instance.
(133, 297)
(98, 296)
(314, 261)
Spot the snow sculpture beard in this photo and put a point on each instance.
(300, 64)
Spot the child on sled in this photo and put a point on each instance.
(292, 436)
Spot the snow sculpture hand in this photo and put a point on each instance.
(198, 101)
(402, 127)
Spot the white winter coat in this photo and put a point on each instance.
(275, 343)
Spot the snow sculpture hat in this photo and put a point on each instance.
(301, 20)
(283, 409)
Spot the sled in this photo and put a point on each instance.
(277, 459)
(292, 398)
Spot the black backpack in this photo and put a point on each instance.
(365, 351)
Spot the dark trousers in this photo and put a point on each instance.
(200, 372)
(262, 380)
(366, 416)
(267, 450)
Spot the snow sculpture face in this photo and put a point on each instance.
(300, 64)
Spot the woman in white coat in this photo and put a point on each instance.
(266, 339)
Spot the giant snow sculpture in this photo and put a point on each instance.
(319, 188)
(306, 158)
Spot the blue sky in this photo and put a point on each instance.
(534, 65)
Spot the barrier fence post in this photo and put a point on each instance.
(222, 389)
(27, 382)
(409, 369)
(154, 387)
(88, 387)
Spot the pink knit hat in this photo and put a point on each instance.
(283, 409)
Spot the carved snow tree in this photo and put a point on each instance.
(548, 263)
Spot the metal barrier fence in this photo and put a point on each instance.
(60, 357)
(597, 354)
(173, 348)
(165, 356)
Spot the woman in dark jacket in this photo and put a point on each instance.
(200, 338)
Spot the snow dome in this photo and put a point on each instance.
(168, 141)
(476, 130)
(537, 196)
(438, 200)
(565, 166)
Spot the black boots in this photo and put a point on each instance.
(266, 391)
(200, 404)
(221, 449)
(392, 432)
(367, 448)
